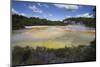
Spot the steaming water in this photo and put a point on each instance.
(53, 36)
(79, 27)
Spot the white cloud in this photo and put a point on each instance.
(36, 16)
(85, 15)
(68, 7)
(46, 5)
(35, 9)
(39, 4)
(23, 14)
(68, 16)
(44, 16)
(16, 12)
(50, 15)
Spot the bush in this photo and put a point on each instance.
(41, 55)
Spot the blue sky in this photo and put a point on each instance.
(51, 11)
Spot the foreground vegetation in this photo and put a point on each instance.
(42, 55)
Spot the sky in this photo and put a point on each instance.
(51, 11)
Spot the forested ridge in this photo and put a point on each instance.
(19, 21)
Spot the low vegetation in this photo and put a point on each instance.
(42, 55)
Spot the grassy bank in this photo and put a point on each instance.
(41, 55)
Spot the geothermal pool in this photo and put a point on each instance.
(53, 36)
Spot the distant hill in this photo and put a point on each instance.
(19, 21)
(90, 22)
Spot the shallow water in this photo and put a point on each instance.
(53, 36)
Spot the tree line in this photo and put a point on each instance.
(18, 21)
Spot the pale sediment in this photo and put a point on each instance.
(52, 37)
